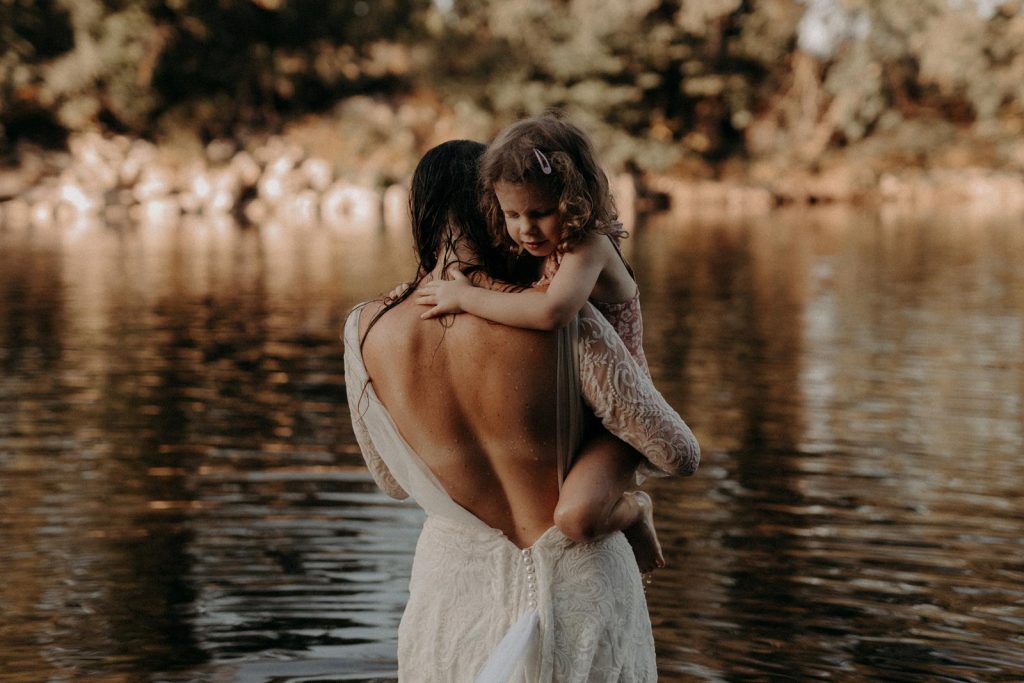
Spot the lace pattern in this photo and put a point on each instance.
(623, 397)
(470, 585)
(467, 590)
(625, 317)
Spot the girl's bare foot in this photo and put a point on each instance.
(642, 536)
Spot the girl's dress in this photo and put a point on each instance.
(482, 609)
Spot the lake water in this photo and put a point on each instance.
(181, 497)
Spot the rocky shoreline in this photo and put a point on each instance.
(116, 179)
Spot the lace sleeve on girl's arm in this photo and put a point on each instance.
(355, 390)
(626, 401)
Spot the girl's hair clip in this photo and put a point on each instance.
(545, 165)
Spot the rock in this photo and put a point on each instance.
(301, 209)
(318, 172)
(140, 155)
(245, 168)
(220, 151)
(76, 197)
(41, 214)
(155, 182)
(256, 211)
(157, 212)
(349, 208)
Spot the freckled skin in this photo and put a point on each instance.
(476, 401)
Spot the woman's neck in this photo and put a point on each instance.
(456, 253)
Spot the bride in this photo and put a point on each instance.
(479, 423)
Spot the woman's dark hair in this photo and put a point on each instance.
(445, 209)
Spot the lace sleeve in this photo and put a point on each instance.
(626, 401)
(356, 391)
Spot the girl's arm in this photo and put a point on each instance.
(534, 309)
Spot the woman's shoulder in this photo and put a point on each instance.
(366, 312)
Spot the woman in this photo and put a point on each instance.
(464, 418)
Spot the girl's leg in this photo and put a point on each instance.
(594, 500)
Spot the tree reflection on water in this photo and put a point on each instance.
(183, 498)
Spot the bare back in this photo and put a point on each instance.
(476, 401)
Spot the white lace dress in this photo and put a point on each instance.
(482, 609)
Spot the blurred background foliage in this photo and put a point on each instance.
(661, 84)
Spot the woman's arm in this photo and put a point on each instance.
(356, 382)
(531, 309)
(626, 401)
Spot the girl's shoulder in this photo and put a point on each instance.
(616, 282)
(594, 246)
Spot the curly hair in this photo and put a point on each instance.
(555, 157)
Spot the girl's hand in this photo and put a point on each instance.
(397, 291)
(443, 295)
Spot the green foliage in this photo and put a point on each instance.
(650, 80)
(139, 65)
(30, 33)
(656, 82)
(932, 58)
(962, 54)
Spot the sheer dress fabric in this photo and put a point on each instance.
(482, 609)
(624, 316)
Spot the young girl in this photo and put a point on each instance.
(546, 198)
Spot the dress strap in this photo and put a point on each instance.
(618, 250)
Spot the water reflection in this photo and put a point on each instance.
(182, 498)
(861, 400)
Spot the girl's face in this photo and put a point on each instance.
(531, 217)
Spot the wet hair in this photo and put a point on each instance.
(551, 155)
(445, 209)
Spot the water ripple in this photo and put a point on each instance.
(183, 499)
